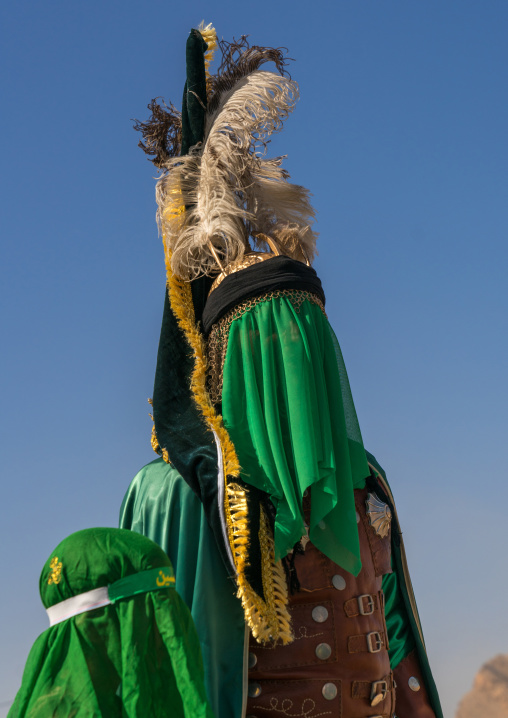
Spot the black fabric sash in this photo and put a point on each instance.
(272, 274)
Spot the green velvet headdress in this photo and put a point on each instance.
(136, 654)
(217, 189)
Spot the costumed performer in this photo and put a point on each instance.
(254, 419)
(121, 642)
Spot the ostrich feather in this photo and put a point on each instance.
(228, 187)
(281, 209)
(239, 59)
(162, 132)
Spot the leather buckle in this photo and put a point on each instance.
(370, 605)
(374, 642)
(376, 696)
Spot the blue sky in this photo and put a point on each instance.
(400, 133)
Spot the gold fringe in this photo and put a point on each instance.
(155, 442)
(254, 608)
(209, 35)
(267, 620)
(153, 439)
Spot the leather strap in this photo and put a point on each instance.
(372, 642)
(365, 689)
(363, 605)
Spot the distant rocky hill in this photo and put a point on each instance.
(489, 696)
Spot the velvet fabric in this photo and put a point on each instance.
(180, 427)
(194, 94)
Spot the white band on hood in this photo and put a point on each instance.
(78, 604)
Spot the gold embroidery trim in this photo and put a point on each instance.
(217, 343)
(56, 571)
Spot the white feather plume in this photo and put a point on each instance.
(228, 186)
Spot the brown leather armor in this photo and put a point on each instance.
(338, 664)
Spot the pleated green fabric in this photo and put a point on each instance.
(288, 408)
(138, 657)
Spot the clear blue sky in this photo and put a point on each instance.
(401, 136)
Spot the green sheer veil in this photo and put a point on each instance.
(288, 408)
(133, 658)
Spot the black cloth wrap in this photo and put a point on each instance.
(270, 275)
